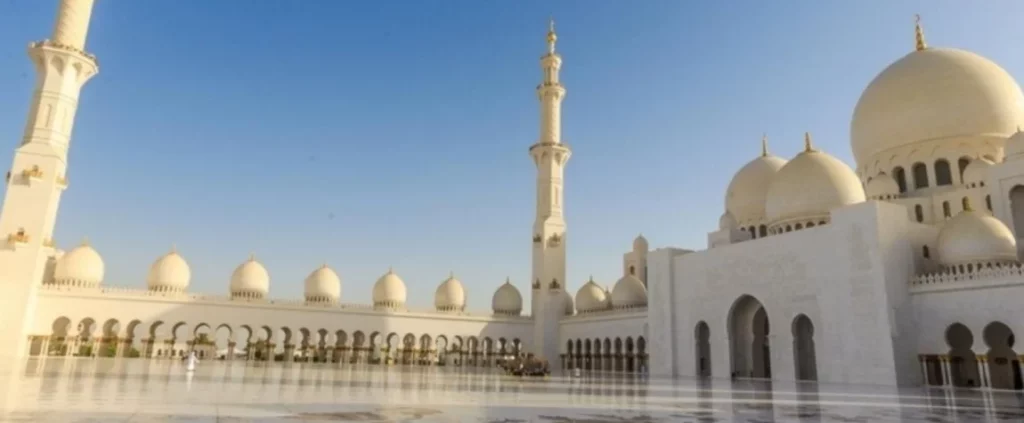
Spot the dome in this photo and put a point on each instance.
(250, 280)
(591, 297)
(389, 291)
(629, 292)
(882, 187)
(810, 186)
(450, 295)
(169, 273)
(976, 172)
(745, 197)
(567, 299)
(507, 300)
(1014, 146)
(973, 237)
(640, 243)
(726, 221)
(934, 94)
(323, 286)
(82, 266)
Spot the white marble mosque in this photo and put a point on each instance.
(903, 270)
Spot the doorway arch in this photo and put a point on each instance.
(805, 361)
(963, 365)
(749, 331)
(702, 345)
(1003, 363)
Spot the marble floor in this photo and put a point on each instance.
(127, 390)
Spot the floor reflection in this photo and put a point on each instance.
(72, 389)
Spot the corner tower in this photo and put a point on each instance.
(38, 175)
(550, 157)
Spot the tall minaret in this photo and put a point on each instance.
(550, 156)
(38, 176)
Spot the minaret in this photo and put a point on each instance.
(550, 156)
(38, 175)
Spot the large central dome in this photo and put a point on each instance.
(932, 94)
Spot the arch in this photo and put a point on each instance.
(919, 171)
(943, 175)
(900, 176)
(340, 338)
(918, 213)
(1017, 209)
(748, 338)
(702, 347)
(961, 164)
(358, 339)
(946, 212)
(988, 202)
(964, 203)
(1003, 362)
(59, 336)
(963, 363)
(805, 361)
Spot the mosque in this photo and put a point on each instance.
(903, 270)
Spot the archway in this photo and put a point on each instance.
(963, 365)
(1017, 209)
(805, 362)
(748, 338)
(702, 347)
(1003, 364)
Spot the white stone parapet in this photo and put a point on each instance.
(981, 277)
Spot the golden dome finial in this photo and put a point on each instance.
(764, 145)
(85, 241)
(919, 33)
(807, 143)
(174, 248)
(552, 37)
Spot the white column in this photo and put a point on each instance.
(983, 380)
(924, 368)
(947, 373)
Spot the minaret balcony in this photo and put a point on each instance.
(17, 238)
(33, 173)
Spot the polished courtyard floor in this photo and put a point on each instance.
(127, 390)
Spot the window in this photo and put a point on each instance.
(965, 203)
(945, 209)
(988, 202)
(924, 250)
(901, 178)
(763, 230)
(942, 173)
(962, 164)
(920, 172)
(632, 270)
(919, 213)
(753, 232)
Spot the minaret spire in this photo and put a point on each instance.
(919, 34)
(807, 143)
(39, 169)
(550, 156)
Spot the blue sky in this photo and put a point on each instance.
(395, 133)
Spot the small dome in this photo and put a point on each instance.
(745, 197)
(507, 300)
(389, 291)
(726, 221)
(932, 95)
(976, 172)
(82, 267)
(591, 297)
(882, 187)
(640, 243)
(567, 299)
(1014, 149)
(250, 280)
(810, 186)
(323, 286)
(169, 273)
(450, 295)
(629, 292)
(973, 237)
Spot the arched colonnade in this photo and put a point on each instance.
(608, 354)
(996, 366)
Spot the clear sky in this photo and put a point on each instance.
(395, 133)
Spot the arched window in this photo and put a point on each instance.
(988, 202)
(753, 232)
(810, 224)
(945, 209)
(942, 173)
(927, 254)
(962, 164)
(901, 178)
(963, 202)
(920, 172)
(763, 230)
(798, 226)
(919, 213)
(632, 270)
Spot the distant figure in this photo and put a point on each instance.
(191, 361)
